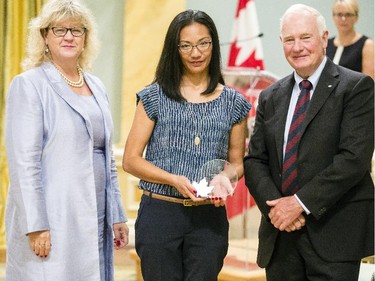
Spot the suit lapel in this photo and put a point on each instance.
(103, 105)
(281, 99)
(327, 82)
(281, 102)
(64, 91)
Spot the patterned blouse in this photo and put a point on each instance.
(172, 144)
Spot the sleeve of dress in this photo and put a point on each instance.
(119, 214)
(150, 99)
(24, 146)
(241, 108)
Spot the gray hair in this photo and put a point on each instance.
(55, 11)
(298, 8)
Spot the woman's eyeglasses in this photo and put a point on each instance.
(344, 15)
(62, 31)
(202, 46)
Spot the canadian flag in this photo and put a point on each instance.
(246, 52)
(246, 46)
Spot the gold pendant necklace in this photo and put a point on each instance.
(79, 83)
(198, 124)
(197, 140)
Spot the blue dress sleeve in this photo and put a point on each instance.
(24, 145)
(150, 98)
(241, 108)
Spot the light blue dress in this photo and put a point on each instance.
(54, 172)
(96, 117)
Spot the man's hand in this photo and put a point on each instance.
(297, 224)
(286, 213)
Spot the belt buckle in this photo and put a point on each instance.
(188, 202)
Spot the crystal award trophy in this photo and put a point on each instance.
(218, 179)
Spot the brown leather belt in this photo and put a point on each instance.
(185, 202)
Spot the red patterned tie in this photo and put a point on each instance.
(290, 178)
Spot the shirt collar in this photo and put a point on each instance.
(314, 78)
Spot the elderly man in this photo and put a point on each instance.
(309, 159)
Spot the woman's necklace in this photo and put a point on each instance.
(79, 83)
(198, 123)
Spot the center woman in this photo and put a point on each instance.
(186, 117)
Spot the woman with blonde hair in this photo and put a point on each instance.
(64, 214)
(350, 48)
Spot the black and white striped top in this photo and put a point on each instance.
(171, 146)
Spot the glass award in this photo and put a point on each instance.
(218, 179)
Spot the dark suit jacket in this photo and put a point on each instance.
(335, 152)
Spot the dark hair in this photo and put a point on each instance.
(170, 68)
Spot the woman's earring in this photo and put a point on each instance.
(46, 50)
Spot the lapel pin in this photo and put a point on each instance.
(329, 86)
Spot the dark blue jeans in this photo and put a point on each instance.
(178, 243)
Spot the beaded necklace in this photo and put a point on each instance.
(79, 83)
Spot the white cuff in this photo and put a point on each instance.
(302, 205)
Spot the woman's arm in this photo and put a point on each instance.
(134, 163)
(368, 58)
(236, 151)
(24, 144)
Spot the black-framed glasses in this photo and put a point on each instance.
(344, 15)
(202, 46)
(62, 31)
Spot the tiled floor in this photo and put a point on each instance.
(124, 267)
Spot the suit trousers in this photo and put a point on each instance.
(294, 259)
(178, 243)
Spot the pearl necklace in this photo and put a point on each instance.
(79, 83)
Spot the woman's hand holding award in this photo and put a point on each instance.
(218, 179)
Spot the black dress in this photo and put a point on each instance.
(351, 56)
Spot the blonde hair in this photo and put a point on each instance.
(351, 4)
(55, 11)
